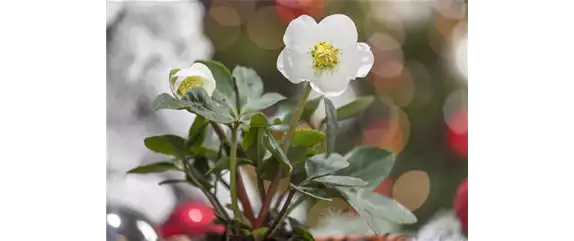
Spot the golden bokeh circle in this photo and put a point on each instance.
(265, 28)
(412, 189)
(241, 9)
(390, 132)
(222, 37)
(225, 15)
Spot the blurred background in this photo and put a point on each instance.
(419, 78)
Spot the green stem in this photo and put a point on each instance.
(295, 117)
(282, 214)
(191, 172)
(286, 144)
(233, 171)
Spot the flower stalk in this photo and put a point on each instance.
(233, 173)
(286, 144)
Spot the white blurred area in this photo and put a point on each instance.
(145, 40)
(458, 52)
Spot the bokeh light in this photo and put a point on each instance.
(388, 56)
(236, 12)
(455, 104)
(455, 110)
(451, 9)
(389, 132)
(372, 25)
(225, 15)
(266, 29)
(223, 37)
(399, 89)
(423, 90)
(291, 9)
(458, 55)
(385, 188)
(412, 189)
(459, 142)
(114, 220)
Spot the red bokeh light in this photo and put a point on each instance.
(291, 9)
(461, 203)
(458, 142)
(190, 219)
(385, 188)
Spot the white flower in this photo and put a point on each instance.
(326, 53)
(196, 76)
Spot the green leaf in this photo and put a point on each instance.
(259, 233)
(277, 152)
(254, 146)
(155, 167)
(265, 101)
(222, 100)
(298, 154)
(249, 84)
(269, 168)
(167, 144)
(310, 108)
(302, 234)
(201, 164)
(308, 193)
(223, 79)
(298, 174)
(332, 125)
(307, 137)
(204, 152)
(354, 108)
(171, 181)
(371, 164)
(340, 181)
(197, 100)
(197, 131)
(258, 119)
(368, 203)
(223, 164)
(166, 101)
(321, 165)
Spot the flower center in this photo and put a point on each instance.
(188, 83)
(325, 56)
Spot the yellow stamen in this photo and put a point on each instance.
(188, 83)
(325, 56)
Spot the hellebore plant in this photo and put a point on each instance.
(324, 56)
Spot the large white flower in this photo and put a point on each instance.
(326, 53)
(196, 76)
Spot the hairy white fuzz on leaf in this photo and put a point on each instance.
(444, 227)
(337, 223)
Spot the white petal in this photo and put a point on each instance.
(300, 32)
(330, 85)
(200, 70)
(295, 66)
(176, 84)
(196, 69)
(339, 29)
(365, 60)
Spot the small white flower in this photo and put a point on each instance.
(196, 76)
(326, 53)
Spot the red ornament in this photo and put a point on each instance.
(461, 203)
(291, 9)
(190, 219)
